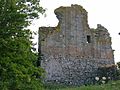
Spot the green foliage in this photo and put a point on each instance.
(118, 64)
(18, 69)
(108, 72)
(118, 70)
(54, 86)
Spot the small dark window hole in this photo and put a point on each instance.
(88, 39)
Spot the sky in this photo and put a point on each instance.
(104, 12)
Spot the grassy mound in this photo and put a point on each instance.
(113, 85)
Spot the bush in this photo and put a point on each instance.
(118, 70)
(106, 73)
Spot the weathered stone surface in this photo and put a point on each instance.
(72, 52)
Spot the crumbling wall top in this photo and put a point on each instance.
(100, 27)
(60, 12)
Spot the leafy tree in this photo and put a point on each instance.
(18, 70)
(118, 64)
(118, 70)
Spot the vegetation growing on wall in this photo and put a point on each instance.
(106, 73)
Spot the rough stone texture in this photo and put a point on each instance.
(72, 52)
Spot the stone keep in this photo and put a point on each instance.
(72, 52)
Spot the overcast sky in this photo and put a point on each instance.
(104, 12)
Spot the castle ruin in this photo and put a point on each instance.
(72, 52)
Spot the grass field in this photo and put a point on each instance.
(114, 85)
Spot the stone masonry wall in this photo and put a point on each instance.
(72, 52)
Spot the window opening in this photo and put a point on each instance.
(88, 39)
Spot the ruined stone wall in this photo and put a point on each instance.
(72, 52)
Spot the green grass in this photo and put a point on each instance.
(114, 85)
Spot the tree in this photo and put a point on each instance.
(18, 70)
(118, 70)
